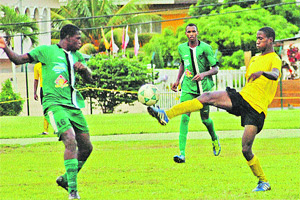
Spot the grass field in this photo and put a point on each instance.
(145, 169)
(30, 127)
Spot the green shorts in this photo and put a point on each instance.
(63, 118)
(189, 96)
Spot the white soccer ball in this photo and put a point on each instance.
(148, 94)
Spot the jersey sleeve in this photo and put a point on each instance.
(210, 56)
(39, 54)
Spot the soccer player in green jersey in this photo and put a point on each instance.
(251, 103)
(198, 64)
(61, 101)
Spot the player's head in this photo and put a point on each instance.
(270, 33)
(265, 38)
(191, 31)
(68, 30)
(72, 36)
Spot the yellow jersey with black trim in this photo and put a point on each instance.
(260, 92)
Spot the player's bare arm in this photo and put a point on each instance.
(273, 75)
(14, 57)
(213, 71)
(84, 71)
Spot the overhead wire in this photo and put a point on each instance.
(167, 20)
(131, 13)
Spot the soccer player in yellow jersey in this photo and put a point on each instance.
(38, 77)
(250, 103)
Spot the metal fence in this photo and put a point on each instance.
(225, 78)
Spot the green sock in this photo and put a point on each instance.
(211, 129)
(80, 164)
(184, 128)
(72, 170)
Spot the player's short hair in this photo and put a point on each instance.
(269, 32)
(191, 24)
(68, 29)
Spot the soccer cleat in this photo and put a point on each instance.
(262, 186)
(74, 195)
(159, 114)
(179, 159)
(44, 133)
(216, 146)
(62, 182)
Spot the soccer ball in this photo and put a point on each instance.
(148, 94)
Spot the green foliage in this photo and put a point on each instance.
(114, 74)
(7, 94)
(236, 60)
(165, 48)
(20, 25)
(88, 49)
(201, 7)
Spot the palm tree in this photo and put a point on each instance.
(13, 23)
(99, 13)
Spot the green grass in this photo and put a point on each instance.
(145, 170)
(108, 124)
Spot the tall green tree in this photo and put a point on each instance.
(111, 16)
(19, 25)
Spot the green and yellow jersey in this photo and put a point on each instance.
(202, 57)
(58, 75)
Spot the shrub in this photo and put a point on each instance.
(7, 94)
(115, 76)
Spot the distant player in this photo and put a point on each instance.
(38, 78)
(198, 64)
(251, 103)
(61, 101)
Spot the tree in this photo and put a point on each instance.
(15, 103)
(111, 76)
(91, 9)
(20, 25)
(230, 30)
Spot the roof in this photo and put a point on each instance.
(288, 39)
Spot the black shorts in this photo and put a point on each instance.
(240, 107)
(41, 95)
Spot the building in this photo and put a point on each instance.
(37, 10)
(172, 11)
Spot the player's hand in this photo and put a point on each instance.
(2, 43)
(174, 87)
(255, 75)
(78, 66)
(198, 77)
(36, 97)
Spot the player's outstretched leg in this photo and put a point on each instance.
(163, 117)
(159, 114)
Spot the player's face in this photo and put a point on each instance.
(191, 32)
(262, 41)
(74, 41)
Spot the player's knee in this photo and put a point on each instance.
(247, 153)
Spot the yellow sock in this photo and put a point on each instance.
(184, 107)
(46, 125)
(256, 169)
